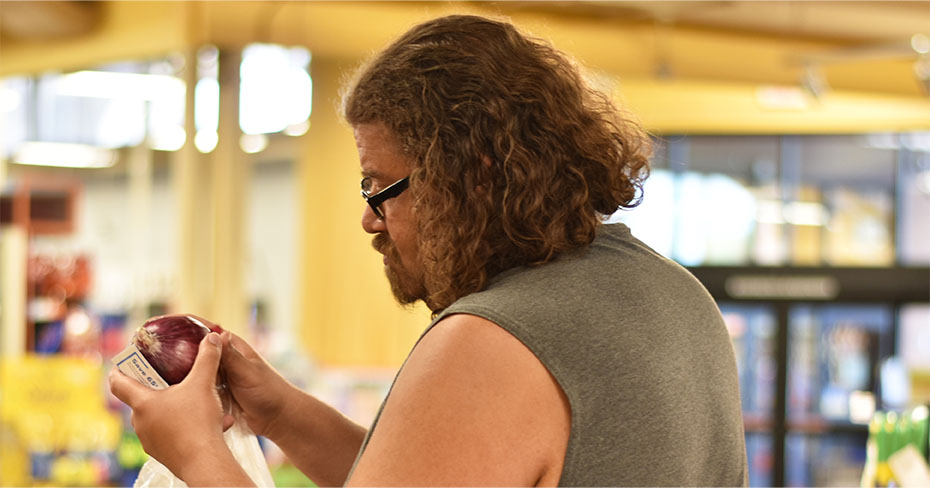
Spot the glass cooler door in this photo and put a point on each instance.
(752, 329)
(834, 352)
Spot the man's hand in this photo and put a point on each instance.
(319, 440)
(182, 426)
(258, 389)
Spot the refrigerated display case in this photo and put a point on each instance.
(839, 459)
(752, 328)
(810, 344)
(816, 248)
(833, 362)
(833, 365)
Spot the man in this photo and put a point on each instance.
(562, 351)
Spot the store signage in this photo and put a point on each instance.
(782, 287)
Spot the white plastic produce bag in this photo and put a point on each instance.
(244, 446)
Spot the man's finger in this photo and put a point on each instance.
(127, 389)
(235, 346)
(238, 357)
(207, 360)
(228, 421)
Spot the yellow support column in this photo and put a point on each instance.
(13, 255)
(229, 166)
(191, 180)
(139, 169)
(14, 245)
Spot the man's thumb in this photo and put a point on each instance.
(208, 359)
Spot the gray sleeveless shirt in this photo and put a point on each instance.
(641, 351)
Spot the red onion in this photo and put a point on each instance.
(169, 343)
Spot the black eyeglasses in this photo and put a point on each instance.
(375, 201)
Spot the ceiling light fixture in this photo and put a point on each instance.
(110, 84)
(920, 43)
(65, 155)
(10, 99)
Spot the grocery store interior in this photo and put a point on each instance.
(167, 157)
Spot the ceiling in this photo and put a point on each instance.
(847, 23)
(50, 20)
(855, 45)
(847, 38)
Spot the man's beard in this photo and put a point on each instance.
(407, 289)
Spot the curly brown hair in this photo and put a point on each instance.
(516, 159)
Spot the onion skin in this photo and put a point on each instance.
(170, 343)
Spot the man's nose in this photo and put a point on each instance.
(370, 222)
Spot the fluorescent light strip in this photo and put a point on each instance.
(64, 155)
(106, 84)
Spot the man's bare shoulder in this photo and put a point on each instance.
(472, 406)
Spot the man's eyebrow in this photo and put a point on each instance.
(373, 174)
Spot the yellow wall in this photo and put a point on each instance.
(347, 313)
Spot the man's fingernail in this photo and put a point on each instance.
(213, 337)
